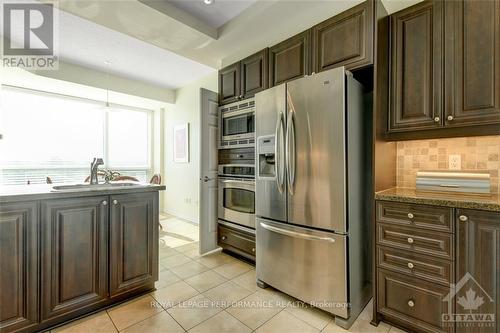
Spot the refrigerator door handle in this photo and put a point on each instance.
(290, 152)
(278, 150)
(296, 234)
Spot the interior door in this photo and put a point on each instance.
(209, 129)
(315, 150)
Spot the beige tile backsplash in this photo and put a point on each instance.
(477, 153)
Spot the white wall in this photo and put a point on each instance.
(181, 179)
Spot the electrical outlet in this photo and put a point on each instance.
(455, 162)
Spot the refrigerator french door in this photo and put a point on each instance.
(312, 241)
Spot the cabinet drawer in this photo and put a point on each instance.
(416, 265)
(238, 241)
(411, 302)
(409, 238)
(422, 216)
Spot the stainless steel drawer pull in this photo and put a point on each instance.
(104, 203)
(449, 118)
(296, 234)
(224, 237)
(410, 215)
(115, 202)
(437, 119)
(253, 249)
(410, 265)
(411, 303)
(410, 240)
(463, 218)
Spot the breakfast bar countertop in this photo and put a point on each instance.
(489, 202)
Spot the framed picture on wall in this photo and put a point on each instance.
(181, 143)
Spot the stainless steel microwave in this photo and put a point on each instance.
(237, 124)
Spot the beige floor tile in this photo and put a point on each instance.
(174, 294)
(233, 269)
(206, 280)
(226, 294)
(215, 259)
(159, 323)
(359, 326)
(99, 323)
(189, 269)
(313, 316)
(188, 247)
(247, 280)
(165, 251)
(193, 253)
(285, 322)
(194, 311)
(396, 330)
(132, 312)
(175, 260)
(166, 278)
(367, 313)
(256, 309)
(222, 322)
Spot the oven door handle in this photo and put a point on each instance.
(232, 181)
(296, 234)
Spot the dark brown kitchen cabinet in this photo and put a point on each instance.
(254, 74)
(478, 254)
(290, 59)
(74, 261)
(345, 39)
(243, 79)
(416, 82)
(18, 266)
(133, 242)
(473, 73)
(229, 84)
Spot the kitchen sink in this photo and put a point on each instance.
(96, 187)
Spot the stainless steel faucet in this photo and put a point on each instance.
(93, 170)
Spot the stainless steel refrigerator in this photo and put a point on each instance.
(313, 189)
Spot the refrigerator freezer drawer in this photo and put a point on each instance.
(306, 264)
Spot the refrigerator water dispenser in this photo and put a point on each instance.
(266, 157)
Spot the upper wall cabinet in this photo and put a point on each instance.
(243, 79)
(445, 70)
(473, 51)
(416, 66)
(345, 39)
(290, 59)
(229, 83)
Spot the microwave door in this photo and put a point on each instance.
(238, 125)
(270, 183)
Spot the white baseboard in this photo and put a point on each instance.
(181, 216)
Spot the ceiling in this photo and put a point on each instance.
(215, 14)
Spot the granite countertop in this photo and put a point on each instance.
(11, 193)
(458, 200)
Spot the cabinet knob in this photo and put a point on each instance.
(224, 237)
(410, 265)
(410, 215)
(115, 202)
(463, 218)
(253, 249)
(104, 203)
(449, 118)
(410, 240)
(411, 303)
(437, 119)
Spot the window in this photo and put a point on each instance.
(58, 136)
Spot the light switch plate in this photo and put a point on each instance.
(455, 162)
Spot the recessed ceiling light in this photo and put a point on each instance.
(208, 2)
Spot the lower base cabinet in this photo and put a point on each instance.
(19, 229)
(237, 241)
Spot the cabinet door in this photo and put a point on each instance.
(134, 242)
(229, 84)
(290, 59)
(473, 63)
(345, 39)
(74, 255)
(416, 65)
(18, 266)
(478, 253)
(254, 72)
